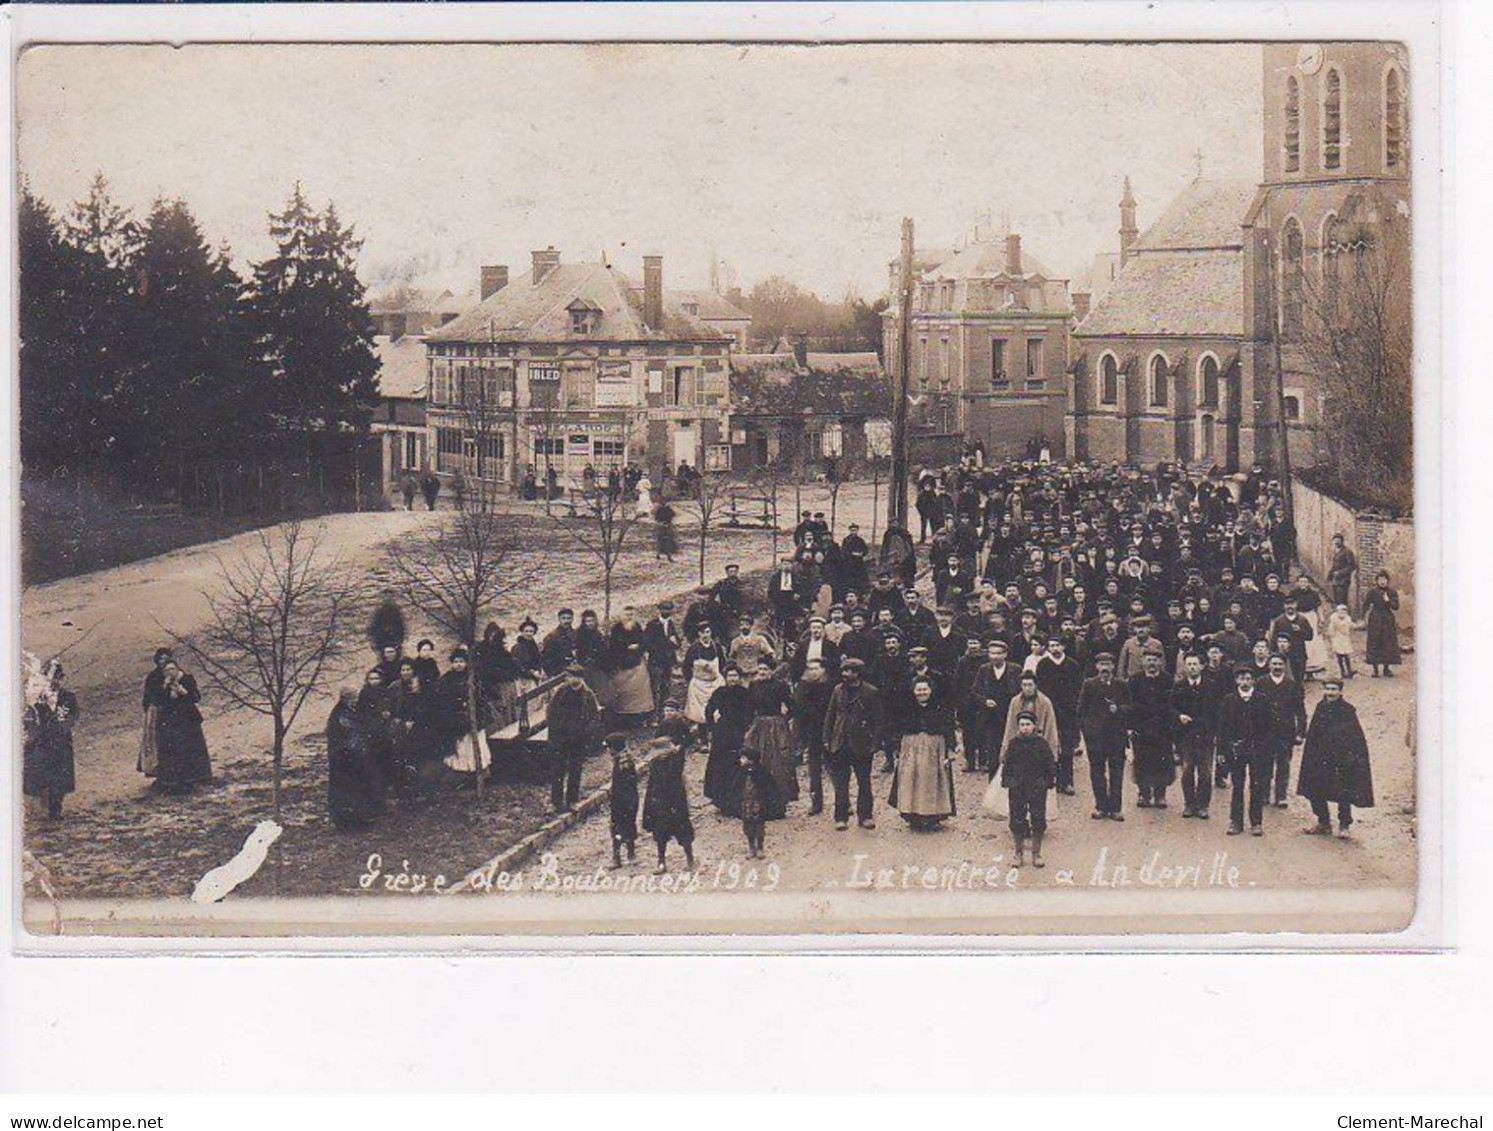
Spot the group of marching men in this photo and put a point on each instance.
(1078, 609)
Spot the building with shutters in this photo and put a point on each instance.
(989, 343)
(576, 365)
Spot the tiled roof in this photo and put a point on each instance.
(985, 260)
(401, 366)
(1207, 213)
(404, 299)
(1096, 279)
(709, 305)
(523, 312)
(1176, 293)
(834, 384)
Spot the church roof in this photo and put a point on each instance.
(1206, 214)
(1185, 274)
(524, 312)
(1193, 293)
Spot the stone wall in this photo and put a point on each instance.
(1380, 543)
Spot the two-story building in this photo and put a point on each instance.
(988, 344)
(576, 365)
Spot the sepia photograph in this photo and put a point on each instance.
(719, 490)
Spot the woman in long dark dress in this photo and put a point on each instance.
(771, 735)
(498, 673)
(355, 784)
(150, 706)
(591, 654)
(1335, 761)
(184, 761)
(47, 748)
(376, 709)
(1379, 607)
(728, 713)
(665, 541)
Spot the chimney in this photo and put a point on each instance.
(494, 279)
(1013, 255)
(1081, 305)
(544, 262)
(653, 291)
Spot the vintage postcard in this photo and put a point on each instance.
(591, 491)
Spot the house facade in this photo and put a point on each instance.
(576, 365)
(989, 345)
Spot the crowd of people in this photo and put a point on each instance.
(1147, 619)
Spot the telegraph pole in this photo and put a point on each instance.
(897, 490)
(1277, 328)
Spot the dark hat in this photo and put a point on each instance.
(1029, 716)
(1244, 669)
(666, 607)
(1104, 658)
(458, 653)
(1141, 621)
(528, 622)
(852, 664)
(615, 741)
(565, 612)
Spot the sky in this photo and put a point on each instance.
(794, 160)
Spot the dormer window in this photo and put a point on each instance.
(585, 316)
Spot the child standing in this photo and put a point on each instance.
(1028, 771)
(758, 797)
(624, 800)
(666, 808)
(1340, 639)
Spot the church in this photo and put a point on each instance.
(1194, 354)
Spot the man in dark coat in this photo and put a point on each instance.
(1060, 678)
(852, 733)
(1103, 716)
(1287, 721)
(662, 641)
(995, 686)
(1335, 761)
(1244, 738)
(1340, 573)
(1151, 731)
(574, 723)
(558, 648)
(1194, 721)
(1298, 630)
(854, 555)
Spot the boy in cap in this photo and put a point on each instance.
(624, 799)
(1027, 773)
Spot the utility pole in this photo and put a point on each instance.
(1277, 327)
(897, 490)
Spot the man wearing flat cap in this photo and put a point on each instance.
(574, 729)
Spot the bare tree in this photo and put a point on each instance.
(709, 491)
(1355, 329)
(768, 481)
(276, 620)
(475, 557)
(602, 530)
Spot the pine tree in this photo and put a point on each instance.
(315, 329)
(51, 284)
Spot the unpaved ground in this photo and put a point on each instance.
(120, 839)
(807, 854)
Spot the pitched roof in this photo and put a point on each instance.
(833, 384)
(405, 298)
(709, 306)
(1096, 279)
(523, 312)
(401, 366)
(1206, 214)
(984, 260)
(1194, 293)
